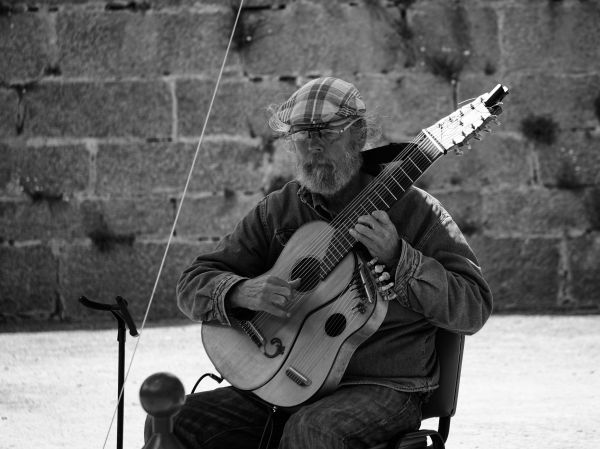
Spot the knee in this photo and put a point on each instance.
(303, 430)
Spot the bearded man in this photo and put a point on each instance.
(436, 283)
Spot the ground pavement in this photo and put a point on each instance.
(527, 382)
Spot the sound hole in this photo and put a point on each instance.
(335, 324)
(309, 270)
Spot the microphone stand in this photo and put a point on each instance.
(124, 320)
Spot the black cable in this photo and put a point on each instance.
(268, 424)
(211, 375)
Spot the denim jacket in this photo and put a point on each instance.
(437, 280)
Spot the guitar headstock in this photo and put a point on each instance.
(457, 129)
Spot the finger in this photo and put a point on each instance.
(284, 291)
(368, 220)
(365, 231)
(276, 311)
(365, 240)
(382, 217)
(295, 283)
(357, 235)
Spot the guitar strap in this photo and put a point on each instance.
(375, 159)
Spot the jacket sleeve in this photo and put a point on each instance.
(442, 279)
(203, 286)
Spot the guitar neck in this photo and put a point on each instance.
(381, 193)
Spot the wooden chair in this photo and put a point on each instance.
(442, 404)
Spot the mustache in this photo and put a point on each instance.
(317, 161)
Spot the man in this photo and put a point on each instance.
(436, 282)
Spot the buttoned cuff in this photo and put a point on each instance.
(219, 295)
(409, 261)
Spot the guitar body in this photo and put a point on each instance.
(288, 361)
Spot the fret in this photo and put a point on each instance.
(426, 156)
(398, 184)
(414, 163)
(406, 174)
(393, 196)
(384, 202)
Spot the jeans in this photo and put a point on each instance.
(353, 417)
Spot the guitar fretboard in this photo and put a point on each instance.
(387, 188)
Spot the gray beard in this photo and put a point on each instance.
(327, 177)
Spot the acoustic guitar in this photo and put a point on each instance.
(340, 301)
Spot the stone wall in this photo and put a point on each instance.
(102, 104)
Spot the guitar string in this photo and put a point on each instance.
(308, 357)
(317, 243)
(179, 208)
(312, 352)
(303, 267)
(368, 191)
(421, 156)
(326, 235)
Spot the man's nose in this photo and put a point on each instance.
(314, 143)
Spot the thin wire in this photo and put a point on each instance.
(185, 189)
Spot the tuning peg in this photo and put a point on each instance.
(379, 269)
(384, 277)
(477, 136)
(494, 118)
(460, 152)
(372, 262)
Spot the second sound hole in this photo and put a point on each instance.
(335, 324)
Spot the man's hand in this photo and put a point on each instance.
(265, 293)
(379, 235)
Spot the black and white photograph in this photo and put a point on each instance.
(300, 224)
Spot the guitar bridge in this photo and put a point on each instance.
(252, 332)
(298, 377)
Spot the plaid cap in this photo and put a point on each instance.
(320, 102)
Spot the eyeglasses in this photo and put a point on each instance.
(329, 135)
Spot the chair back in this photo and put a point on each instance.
(449, 347)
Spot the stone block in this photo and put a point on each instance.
(551, 36)
(309, 38)
(29, 281)
(128, 271)
(24, 46)
(99, 109)
(405, 104)
(40, 219)
(136, 169)
(214, 216)
(496, 161)
(119, 43)
(8, 112)
(54, 171)
(534, 211)
(573, 161)
(143, 215)
(522, 273)
(240, 106)
(193, 42)
(103, 44)
(455, 37)
(584, 263)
